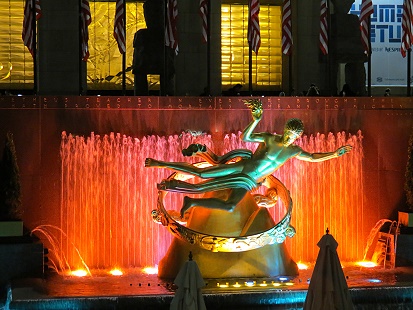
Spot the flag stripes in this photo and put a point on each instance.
(203, 12)
(407, 27)
(85, 20)
(28, 31)
(119, 26)
(254, 37)
(365, 12)
(171, 38)
(323, 27)
(287, 38)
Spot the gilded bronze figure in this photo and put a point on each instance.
(248, 172)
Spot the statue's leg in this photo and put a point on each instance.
(208, 172)
(183, 167)
(229, 204)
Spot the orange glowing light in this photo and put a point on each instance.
(264, 283)
(237, 284)
(116, 272)
(302, 266)
(150, 270)
(79, 273)
(366, 264)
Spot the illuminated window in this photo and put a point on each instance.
(16, 62)
(267, 65)
(104, 67)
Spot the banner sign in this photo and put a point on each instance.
(388, 67)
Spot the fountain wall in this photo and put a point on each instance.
(380, 127)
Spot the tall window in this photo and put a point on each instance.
(104, 67)
(267, 65)
(16, 62)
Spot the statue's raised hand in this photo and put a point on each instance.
(255, 105)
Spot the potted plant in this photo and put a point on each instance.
(406, 218)
(10, 194)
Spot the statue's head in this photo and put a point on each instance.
(293, 129)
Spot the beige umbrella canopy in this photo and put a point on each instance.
(189, 280)
(328, 287)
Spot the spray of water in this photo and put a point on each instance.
(107, 197)
(60, 262)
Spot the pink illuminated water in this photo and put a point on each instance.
(107, 197)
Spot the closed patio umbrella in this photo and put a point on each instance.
(189, 280)
(328, 287)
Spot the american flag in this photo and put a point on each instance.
(203, 12)
(365, 12)
(85, 20)
(119, 29)
(254, 38)
(287, 38)
(323, 27)
(171, 38)
(27, 33)
(407, 27)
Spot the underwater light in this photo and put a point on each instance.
(79, 273)
(116, 272)
(374, 280)
(150, 270)
(302, 266)
(249, 283)
(237, 284)
(223, 285)
(366, 264)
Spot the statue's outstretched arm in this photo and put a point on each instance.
(318, 157)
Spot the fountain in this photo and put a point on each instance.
(107, 196)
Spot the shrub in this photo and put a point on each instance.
(10, 194)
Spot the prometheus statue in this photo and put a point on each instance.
(247, 173)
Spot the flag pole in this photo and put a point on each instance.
(290, 58)
(163, 79)
(249, 52)
(408, 71)
(80, 47)
(250, 70)
(329, 58)
(209, 48)
(290, 75)
(124, 54)
(369, 59)
(34, 29)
